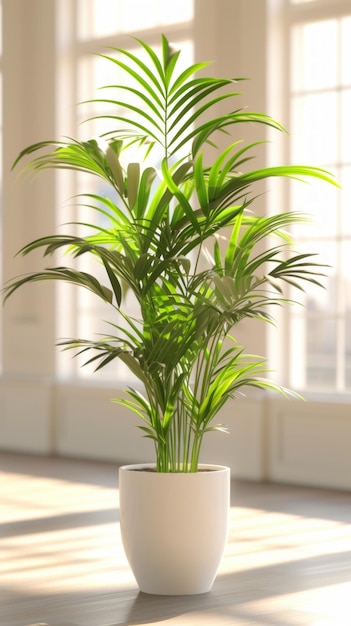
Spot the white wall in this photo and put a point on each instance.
(270, 438)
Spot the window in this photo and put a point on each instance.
(85, 27)
(320, 127)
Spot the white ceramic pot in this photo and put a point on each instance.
(174, 526)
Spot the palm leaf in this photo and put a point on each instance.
(151, 228)
(68, 275)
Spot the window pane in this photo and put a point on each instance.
(346, 125)
(345, 274)
(321, 353)
(315, 45)
(317, 299)
(91, 313)
(345, 181)
(314, 124)
(313, 359)
(319, 202)
(346, 51)
(99, 18)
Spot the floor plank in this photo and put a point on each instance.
(288, 560)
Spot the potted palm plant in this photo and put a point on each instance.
(179, 233)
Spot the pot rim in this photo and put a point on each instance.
(203, 469)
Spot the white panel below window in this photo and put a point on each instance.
(310, 443)
(26, 416)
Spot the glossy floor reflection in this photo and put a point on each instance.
(288, 560)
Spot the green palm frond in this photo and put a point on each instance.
(151, 227)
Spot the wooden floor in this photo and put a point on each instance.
(288, 560)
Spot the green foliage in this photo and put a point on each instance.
(180, 348)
